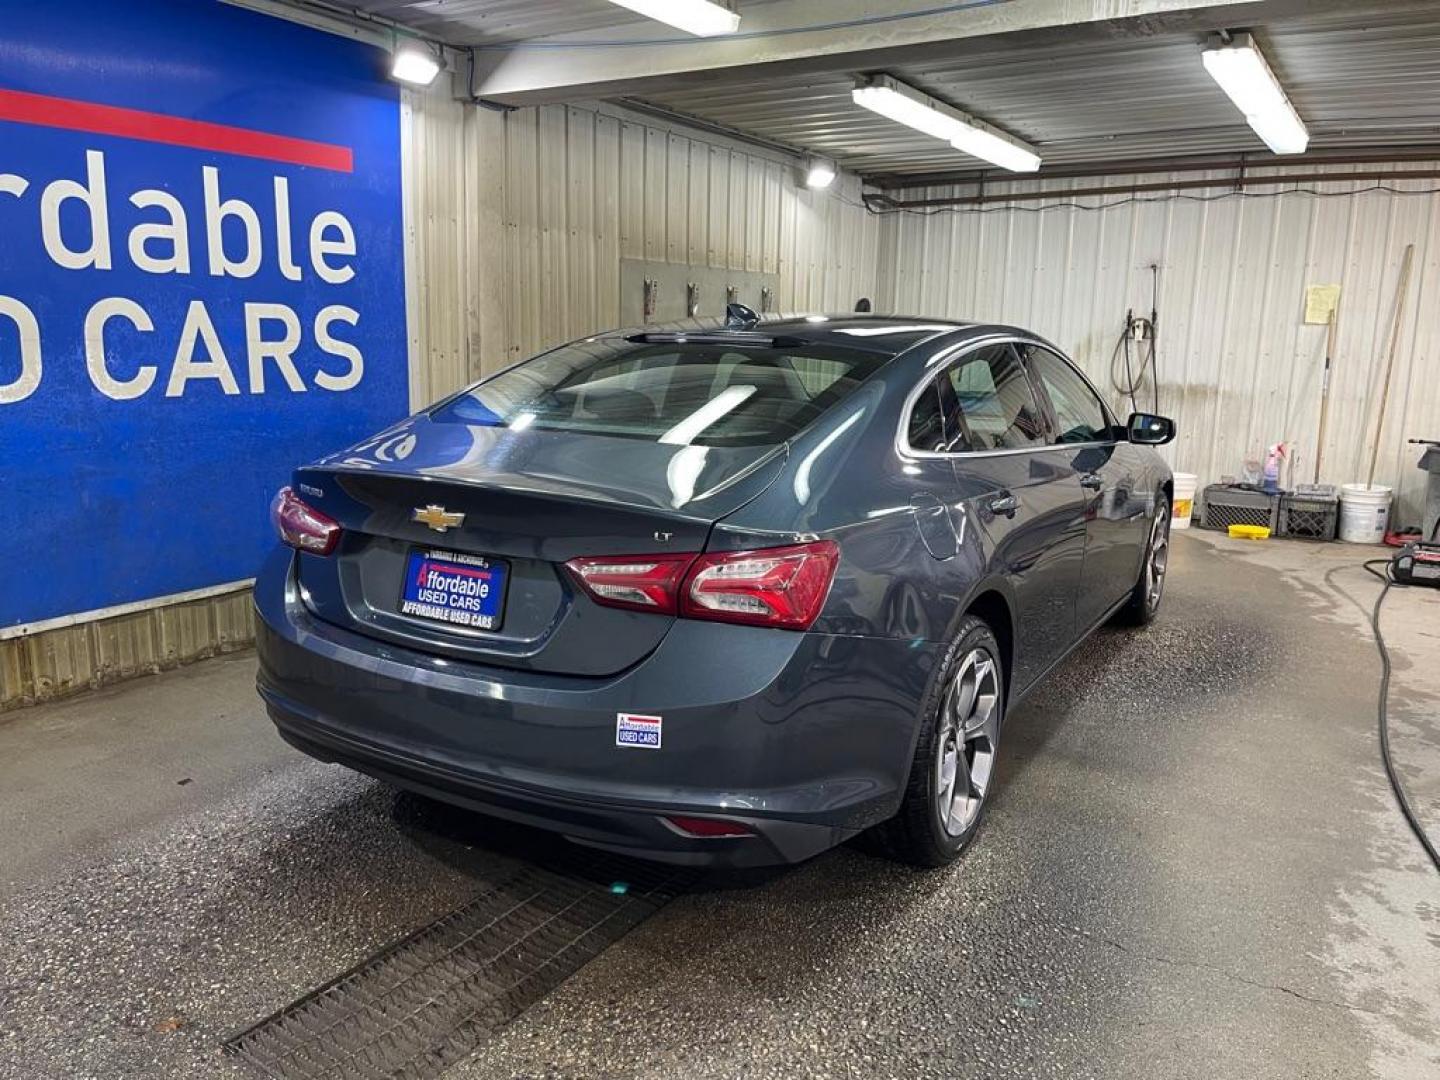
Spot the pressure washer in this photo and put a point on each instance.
(1418, 561)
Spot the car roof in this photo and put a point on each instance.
(887, 334)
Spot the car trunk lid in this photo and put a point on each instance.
(515, 504)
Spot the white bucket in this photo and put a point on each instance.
(1185, 484)
(1364, 513)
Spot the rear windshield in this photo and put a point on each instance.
(682, 393)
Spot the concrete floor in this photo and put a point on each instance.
(1192, 867)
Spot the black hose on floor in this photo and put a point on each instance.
(1401, 795)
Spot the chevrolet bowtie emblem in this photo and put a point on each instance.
(437, 517)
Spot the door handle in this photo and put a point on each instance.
(1092, 480)
(1003, 503)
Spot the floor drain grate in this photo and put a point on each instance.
(429, 1000)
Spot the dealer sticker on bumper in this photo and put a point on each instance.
(633, 729)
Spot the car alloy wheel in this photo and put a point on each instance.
(965, 748)
(1157, 555)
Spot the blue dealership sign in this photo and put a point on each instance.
(201, 286)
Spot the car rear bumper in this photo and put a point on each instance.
(806, 739)
(633, 831)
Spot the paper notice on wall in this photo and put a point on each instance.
(1320, 303)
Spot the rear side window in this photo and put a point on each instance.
(695, 392)
(996, 405)
(1079, 415)
(927, 426)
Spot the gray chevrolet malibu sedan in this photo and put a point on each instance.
(726, 593)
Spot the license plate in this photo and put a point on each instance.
(455, 588)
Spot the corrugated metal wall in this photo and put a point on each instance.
(454, 276)
(519, 221)
(1239, 369)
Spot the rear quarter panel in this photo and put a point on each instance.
(845, 481)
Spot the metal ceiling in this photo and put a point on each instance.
(1367, 77)
(483, 22)
(1359, 81)
(490, 22)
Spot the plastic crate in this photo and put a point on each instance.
(1310, 512)
(1226, 506)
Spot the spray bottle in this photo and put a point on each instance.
(1272, 467)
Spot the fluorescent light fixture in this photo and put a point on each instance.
(894, 100)
(906, 105)
(703, 18)
(994, 147)
(819, 173)
(1240, 69)
(415, 64)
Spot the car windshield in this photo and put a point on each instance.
(681, 392)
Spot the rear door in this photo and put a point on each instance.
(1023, 492)
(1116, 513)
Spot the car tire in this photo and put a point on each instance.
(1144, 602)
(971, 681)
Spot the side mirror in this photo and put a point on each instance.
(1147, 429)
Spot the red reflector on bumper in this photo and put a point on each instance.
(707, 827)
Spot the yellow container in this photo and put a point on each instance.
(1249, 532)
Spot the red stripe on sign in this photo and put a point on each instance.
(460, 570)
(75, 115)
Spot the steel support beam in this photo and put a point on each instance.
(1239, 182)
(1238, 163)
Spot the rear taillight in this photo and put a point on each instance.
(301, 525)
(783, 587)
(638, 582)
